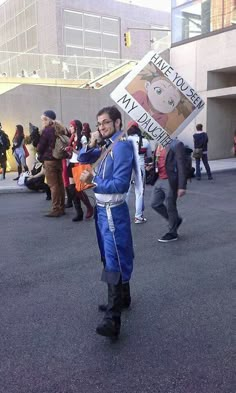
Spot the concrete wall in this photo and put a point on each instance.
(26, 103)
(221, 126)
(194, 60)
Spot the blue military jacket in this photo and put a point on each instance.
(114, 172)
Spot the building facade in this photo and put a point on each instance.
(75, 28)
(204, 51)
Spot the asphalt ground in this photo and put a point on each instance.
(178, 336)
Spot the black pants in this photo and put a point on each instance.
(3, 163)
(37, 184)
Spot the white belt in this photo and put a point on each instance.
(109, 204)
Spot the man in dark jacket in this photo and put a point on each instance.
(53, 167)
(200, 139)
(170, 185)
(4, 146)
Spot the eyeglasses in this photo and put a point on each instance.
(104, 123)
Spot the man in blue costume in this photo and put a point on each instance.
(111, 181)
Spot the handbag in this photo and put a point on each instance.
(151, 177)
(23, 176)
(197, 153)
(26, 151)
(77, 172)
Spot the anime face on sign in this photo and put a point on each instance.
(163, 96)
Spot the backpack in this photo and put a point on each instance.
(189, 170)
(188, 162)
(5, 141)
(62, 141)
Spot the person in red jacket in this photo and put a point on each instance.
(170, 185)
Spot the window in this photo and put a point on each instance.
(30, 16)
(193, 18)
(92, 22)
(74, 37)
(31, 37)
(72, 18)
(92, 35)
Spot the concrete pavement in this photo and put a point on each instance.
(9, 186)
(177, 337)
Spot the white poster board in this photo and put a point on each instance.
(158, 98)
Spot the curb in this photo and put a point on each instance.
(13, 190)
(22, 189)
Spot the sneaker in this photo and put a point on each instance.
(168, 237)
(210, 178)
(141, 220)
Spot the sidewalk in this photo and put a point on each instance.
(10, 186)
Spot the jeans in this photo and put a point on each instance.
(164, 202)
(206, 165)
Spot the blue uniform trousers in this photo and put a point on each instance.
(115, 242)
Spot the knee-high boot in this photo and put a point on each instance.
(19, 169)
(77, 203)
(125, 298)
(85, 199)
(69, 198)
(110, 326)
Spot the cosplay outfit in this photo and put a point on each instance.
(73, 196)
(112, 180)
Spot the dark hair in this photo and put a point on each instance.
(20, 129)
(199, 127)
(78, 129)
(113, 113)
(133, 130)
(86, 130)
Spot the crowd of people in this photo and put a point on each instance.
(111, 161)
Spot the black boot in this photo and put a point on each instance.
(110, 326)
(85, 199)
(77, 204)
(19, 172)
(125, 296)
(69, 198)
(48, 193)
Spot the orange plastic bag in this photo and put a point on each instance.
(77, 171)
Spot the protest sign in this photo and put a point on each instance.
(158, 98)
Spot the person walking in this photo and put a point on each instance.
(170, 185)
(19, 150)
(200, 139)
(4, 146)
(142, 150)
(111, 183)
(52, 166)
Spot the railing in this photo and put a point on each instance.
(23, 65)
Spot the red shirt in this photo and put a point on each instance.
(160, 154)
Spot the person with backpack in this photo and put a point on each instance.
(142, 149)
(170, 185)
(53, 166)
(200, 139)
(4, 146)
